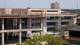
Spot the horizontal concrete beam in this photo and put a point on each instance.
(18, 30)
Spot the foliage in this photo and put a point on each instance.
(51, 40)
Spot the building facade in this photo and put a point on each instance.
(18, 24)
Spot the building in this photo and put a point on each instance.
(74, 32)
(16, 24)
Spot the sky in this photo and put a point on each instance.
(67, 4)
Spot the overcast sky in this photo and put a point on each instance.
(70, 4)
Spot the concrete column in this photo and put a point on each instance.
(41, 24)
(75, 20)
(30, 22)
(2, 24)
(2, 38)
(61, 30)
(20, 39)
(20, 34)
(3, 32)
(45, 25)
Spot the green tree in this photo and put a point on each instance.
(48, 39)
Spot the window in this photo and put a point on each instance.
(8, 24)
(36, 23)
(52, 18)
(15, 23)
(50, 29)
(64, 23)
(66, 17)
(11, 23)
(51, 23)
(24, 23)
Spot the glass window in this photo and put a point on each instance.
(50, 29)
(51, 23)
(11, 23)
(66, 17)
(52, 18)
(64, 23)
(8, 23)
(36, 23)
(24, 23)
(15, 23)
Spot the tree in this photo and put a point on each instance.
(47, 39)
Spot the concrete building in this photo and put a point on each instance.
(16, 24)
(74, 32)
(21, 23)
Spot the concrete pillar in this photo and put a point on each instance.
(30, 22)
(41, 24)
(61, 30)
(20, 34)
(20, 39)
(45, 25)
(75, 20)
(2, 24)
(3, 32)
(2, 38)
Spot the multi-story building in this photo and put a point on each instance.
(18, 23)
